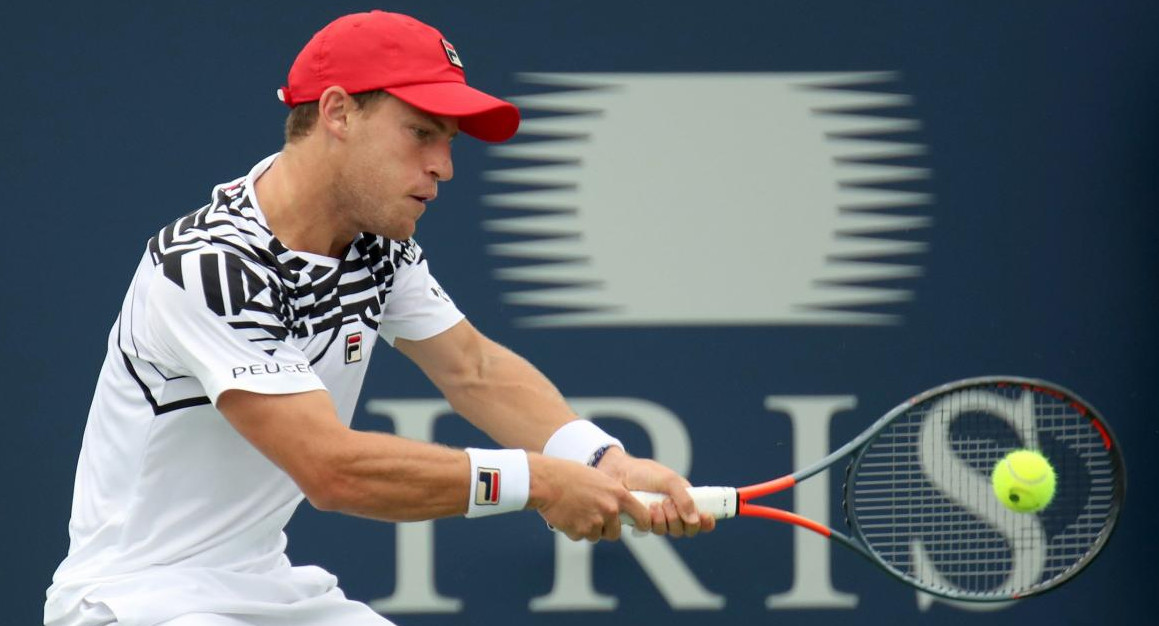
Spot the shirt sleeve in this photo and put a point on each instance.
(215, 320)
(416, 307)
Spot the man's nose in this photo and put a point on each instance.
(442, 167)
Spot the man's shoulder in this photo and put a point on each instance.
(228, 225)
(223, 247)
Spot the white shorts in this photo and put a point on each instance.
(326, 610)
(284, 596)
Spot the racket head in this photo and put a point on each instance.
(918, 496)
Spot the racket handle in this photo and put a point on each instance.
(717, 502)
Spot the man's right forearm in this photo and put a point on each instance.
(375, 475)
(385, 477)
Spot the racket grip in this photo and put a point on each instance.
(717, 502)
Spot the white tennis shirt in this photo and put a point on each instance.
(173, 511)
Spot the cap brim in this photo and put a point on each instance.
(480, 115)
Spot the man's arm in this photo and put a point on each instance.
(505, 396)
(367, 474)
(385, 477)
(495, 389)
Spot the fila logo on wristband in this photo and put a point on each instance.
(487, 486)
(502, 481)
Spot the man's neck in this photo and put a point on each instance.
(296, 206)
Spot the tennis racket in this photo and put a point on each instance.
(919, 503)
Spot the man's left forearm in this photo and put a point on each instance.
(506, 397)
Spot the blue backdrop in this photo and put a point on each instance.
(1025, 162)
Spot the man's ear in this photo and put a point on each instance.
(335, 109)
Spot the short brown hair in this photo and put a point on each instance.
(302, 117)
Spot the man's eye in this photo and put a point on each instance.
(421, 133)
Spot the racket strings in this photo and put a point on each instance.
(920, 496)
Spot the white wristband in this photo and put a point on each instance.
(578, 440)
(500, 481)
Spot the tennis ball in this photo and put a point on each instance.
(1023, 481)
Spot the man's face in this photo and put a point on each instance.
(392, 163)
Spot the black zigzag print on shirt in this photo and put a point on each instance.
(265, 290)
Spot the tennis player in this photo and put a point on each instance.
(234, 367)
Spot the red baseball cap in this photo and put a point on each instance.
(404, 57)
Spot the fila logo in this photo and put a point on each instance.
(487, 486)
(354, 347)
(452, 56)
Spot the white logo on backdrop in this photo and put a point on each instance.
(710, 199)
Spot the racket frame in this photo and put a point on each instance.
(857, 446)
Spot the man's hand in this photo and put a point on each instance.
(580, 501)
(677, 515)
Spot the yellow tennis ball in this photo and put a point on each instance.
(1023, 481)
